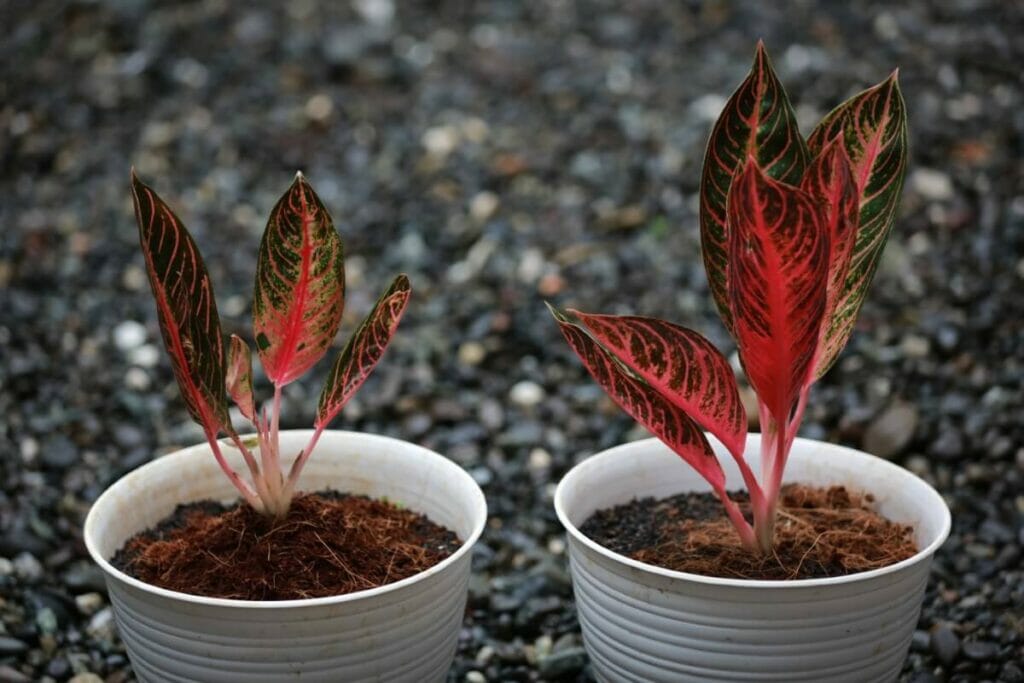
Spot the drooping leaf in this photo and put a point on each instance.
(679, 364)
(300, 285)
(757, 121)
(645, 405)
(829, 179)
(239, 377)
(873, 128)
(778, 270)
(185, 307)
(363, 350)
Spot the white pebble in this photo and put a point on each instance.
(136, 379)
(483, 205)
(526, 394)
(146, 356)
(931, 184)
(89, 603)
(129, 335)
(539, 460)
(440, 141)
(101, 626)
(475, 677)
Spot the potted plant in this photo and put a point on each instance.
(791, 235)
(364, 577)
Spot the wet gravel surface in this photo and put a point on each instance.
(500, 153)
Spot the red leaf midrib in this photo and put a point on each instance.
(293, 326)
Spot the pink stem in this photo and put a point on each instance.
(743, 528)
(247, 491)
(300, 460)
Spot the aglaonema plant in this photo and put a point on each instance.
(791, 235)
(298, 303)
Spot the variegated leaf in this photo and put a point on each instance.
(645, 405)
(679, 364)
(300, 285)
(778, 270)
(239, 377)
(873, 128)
(185, 307)
(363, 350)
(829, 179)
(757, 121)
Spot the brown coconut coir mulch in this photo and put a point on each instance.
(819, 532)
(327, 544)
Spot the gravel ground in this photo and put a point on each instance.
(500, 153)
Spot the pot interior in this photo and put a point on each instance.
(350, 462)
(649, 468)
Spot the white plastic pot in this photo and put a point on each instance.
(647, 624)
(404, 631)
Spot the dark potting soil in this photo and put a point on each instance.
(329, 543)
(819, 532)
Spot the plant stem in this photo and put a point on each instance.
(243, 487)
(742, 526)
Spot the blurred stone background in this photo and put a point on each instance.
(501, 153)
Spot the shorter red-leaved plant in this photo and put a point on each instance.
(791, 235)
(297, 308)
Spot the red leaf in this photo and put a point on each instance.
(757, 121)
(830, 180)
(778, 270)
(363, 351)
(239, 377)
(679, 364)
(300, 285)
(645, 405)
(872, 126)
(185, 307)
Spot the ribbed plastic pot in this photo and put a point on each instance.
(647, 624)
(404, 631)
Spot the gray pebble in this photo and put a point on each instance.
(562, 663)
(945, 644)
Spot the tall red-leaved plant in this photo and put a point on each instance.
(791, 235)
(297, 309)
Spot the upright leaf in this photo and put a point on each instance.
(645, 405)
(757, 121)
(363, 350)
(778, 271)
(300, 285)
(239, 377)
(829, 179)
(873, 128)
(185, 307)
(679, 364)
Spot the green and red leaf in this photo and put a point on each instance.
(643, 403)
(679, 364)
(239, 377)
(363, 350)
(829, 179)
(757, 121)
(873, 129)
(778, 270)
(185, 308)
(300, 285)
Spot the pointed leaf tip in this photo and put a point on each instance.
(300, 284)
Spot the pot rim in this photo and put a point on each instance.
(936, 501)
(479, 510)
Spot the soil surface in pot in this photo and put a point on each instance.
(328, 544)
(819, 532)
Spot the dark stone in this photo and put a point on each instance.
(11, 646)
(945, 644)
(562, 663)
(979, 650)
